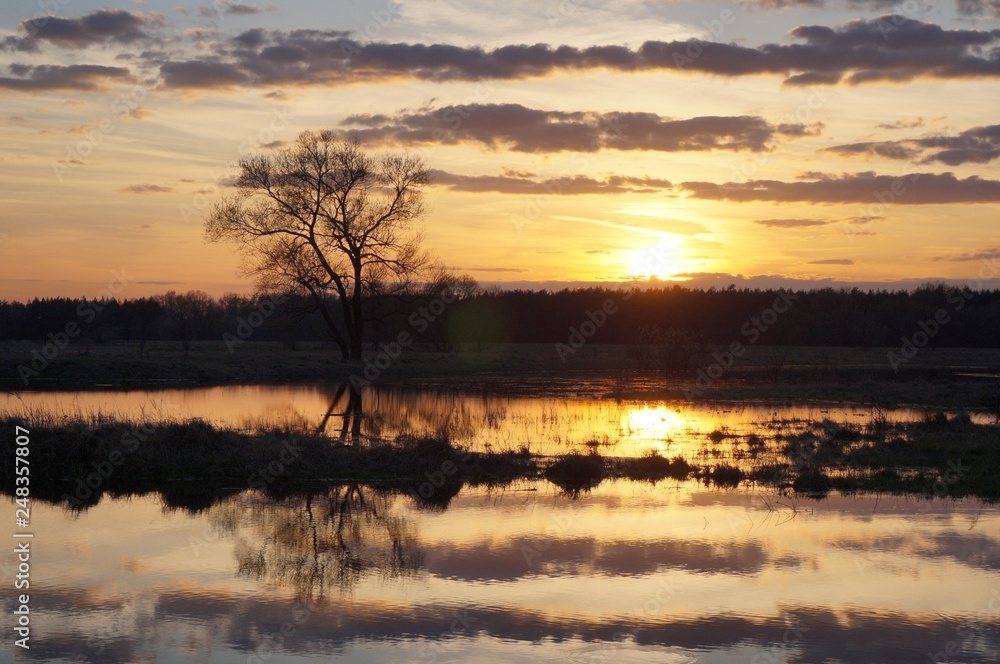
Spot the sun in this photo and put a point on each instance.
(658, 260)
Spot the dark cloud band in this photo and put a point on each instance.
(519, 129)
(911, 189)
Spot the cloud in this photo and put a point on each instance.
(806, 223)
(871, 5)
(138, 113)
(47, 78)
(567, 186)
(911, 189)
(227, 7)
(984, 255)
(978, 145)
(888, 48)
(145, 189)
(874, 5)
(491, 269)
(978, 7)
(887, 149)
(597, 251)
(833, 261)
(792, 223)
(520, 129)
(202, 74)
(903, 124)
(99, 27)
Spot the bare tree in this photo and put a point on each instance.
(325, 220)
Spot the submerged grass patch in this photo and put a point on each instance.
(77, 460)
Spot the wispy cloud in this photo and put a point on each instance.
(568, 186)
(491, 269)
(228, 7)
(985, 254)
(979, 7)
(146, 189)
(49, 78)
(675, 227)
(978, 145)
(792, 223)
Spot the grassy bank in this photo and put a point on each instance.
(192, 463)
(949, 378)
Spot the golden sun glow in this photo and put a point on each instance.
(659, 423)
(662, 260)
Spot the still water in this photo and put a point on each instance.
(630, 572)
(547, 426)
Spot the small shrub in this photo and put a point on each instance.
(576, 471)
(653, 466)
(726, 475)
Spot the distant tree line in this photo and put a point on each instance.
(950, 317)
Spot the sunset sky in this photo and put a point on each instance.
(756, 142)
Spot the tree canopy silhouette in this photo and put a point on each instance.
(326, 220)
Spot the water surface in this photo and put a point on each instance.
(628, 573)
(480, 422)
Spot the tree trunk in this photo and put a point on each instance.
(356, 331)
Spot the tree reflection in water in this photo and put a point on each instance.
(325, 541)
(351, 416)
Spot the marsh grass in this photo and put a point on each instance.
(194, 462)
(577, 472)
(653, 466)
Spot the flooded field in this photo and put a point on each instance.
(630, 572)
(524, 570)
(547, 426)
